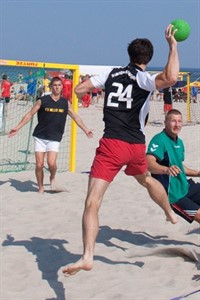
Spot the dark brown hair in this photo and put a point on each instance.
(140, 51)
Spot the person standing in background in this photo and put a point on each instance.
(99, 94)
(46, 85)
(194, 93)
(5, 91)
(94, 96)
(67, 88)
(31, 80)
(86, 99)
(167, 98)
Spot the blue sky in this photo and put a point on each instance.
(94, 32)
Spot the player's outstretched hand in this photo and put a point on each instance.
(89, 133)
(12, 132)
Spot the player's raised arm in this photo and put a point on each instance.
(169, 76)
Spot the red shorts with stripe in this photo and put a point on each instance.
(113, 154)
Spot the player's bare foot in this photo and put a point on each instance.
(172, 217)
(55, 188)
(76, 267)
(52, 184)
(41, 190)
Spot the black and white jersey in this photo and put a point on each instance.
(127, 102)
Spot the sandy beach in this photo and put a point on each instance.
(138, 254)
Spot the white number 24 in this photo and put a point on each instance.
(124, 96)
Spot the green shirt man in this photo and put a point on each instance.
(168, 152)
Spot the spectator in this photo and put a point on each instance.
(46, 85)
(32, 86)
(99, 94)
(6, 91)
(194, 93)
(21, 95)
(167, 98)
(94, 96)
(67, 88)
(86, 99)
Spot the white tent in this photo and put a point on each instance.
(94, 70)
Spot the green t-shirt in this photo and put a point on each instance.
(170, 152)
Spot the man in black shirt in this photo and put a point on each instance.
(52, 111)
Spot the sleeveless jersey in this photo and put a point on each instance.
(52, 117)
(127, 101)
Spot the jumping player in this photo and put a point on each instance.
(126, 107)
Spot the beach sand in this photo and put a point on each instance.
(138, 255)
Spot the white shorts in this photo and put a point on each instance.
(41, 145)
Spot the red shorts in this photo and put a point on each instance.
(113, 154)
(167, 107)
(86, 100)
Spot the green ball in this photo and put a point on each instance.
(183, 29)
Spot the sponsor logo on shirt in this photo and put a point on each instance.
(154, 147)
(124, 72)
(177, 146)
(59, 110)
